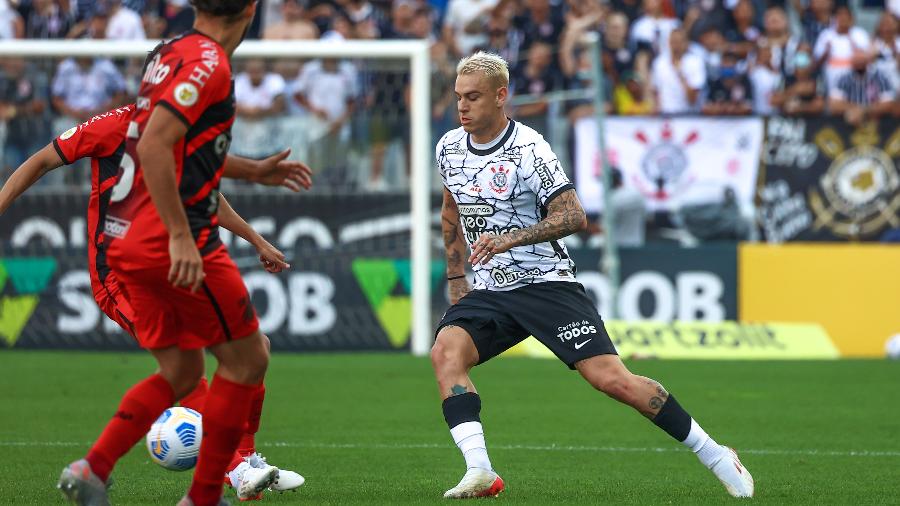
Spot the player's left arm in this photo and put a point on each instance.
(271, 258)
(275, 170)
(28, 173)
(565, 216)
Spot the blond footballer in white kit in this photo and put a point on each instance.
(508, 201)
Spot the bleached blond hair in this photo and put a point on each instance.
(493, 66)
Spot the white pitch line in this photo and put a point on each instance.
(550, 448)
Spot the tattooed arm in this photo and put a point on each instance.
(565, 216)
(455, 245)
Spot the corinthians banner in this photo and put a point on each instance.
(825, 180)
(671, 161)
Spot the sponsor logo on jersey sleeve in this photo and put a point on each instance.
(543, 172)
(186, 94)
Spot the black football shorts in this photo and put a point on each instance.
(559, 314)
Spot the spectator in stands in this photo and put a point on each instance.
(743, 33)
(711, 46)
(48, 20)
(651, 31)
(835, 46)
(765, 80)
(358, 11)
(320, 13)
(24, 95)
(618, 57)
(886, 47)
(702, 15)
(862, 93)
(816, 19)
(400, 24)
(502, 39)
(293, 25)
(802, 93)
(632, 9)
(535, 78)
(258, 94)
(341, 28)
(328, 89)
(11, 24)
(678, 77)
(94, 24)
(779, 40)
(541, 22)
(422, 25)
(463, 24)
(124, 23)
(630, 96)
(178, 16)
(84, 87)
(730, 93)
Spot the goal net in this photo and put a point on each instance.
(360, 244)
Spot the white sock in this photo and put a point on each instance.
(707, 450)
(237, 473)
(469, 438)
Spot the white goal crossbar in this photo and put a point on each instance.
(416, 51)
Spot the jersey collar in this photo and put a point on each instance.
(493, 148)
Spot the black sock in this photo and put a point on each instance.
(462, 408)
(673, 419)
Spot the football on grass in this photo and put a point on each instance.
(174, 439)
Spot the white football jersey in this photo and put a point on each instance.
(505, 186)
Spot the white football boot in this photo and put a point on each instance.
(249, 481)
(286, 480)
(733, 474)
(81, 486)
(476, 483)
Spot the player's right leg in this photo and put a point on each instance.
(452, 356)
(84, 481)
(242, 367)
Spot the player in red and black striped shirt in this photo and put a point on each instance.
(165, 249)
(102, 138)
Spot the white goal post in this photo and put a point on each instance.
(415, 51)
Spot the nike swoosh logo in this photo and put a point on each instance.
(451, 173)
(579, 345)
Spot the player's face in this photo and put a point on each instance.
(478, 102)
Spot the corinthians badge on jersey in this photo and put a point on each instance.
(500, 180)
(860, 192)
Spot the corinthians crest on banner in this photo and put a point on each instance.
(671, 161)
(849, 189)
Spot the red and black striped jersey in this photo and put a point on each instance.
(191, 77)
(102, 138)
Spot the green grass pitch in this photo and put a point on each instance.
(368, 429)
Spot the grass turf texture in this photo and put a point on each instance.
(368, 429)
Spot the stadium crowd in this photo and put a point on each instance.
(711, 57)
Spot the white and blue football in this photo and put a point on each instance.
(174, 439)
